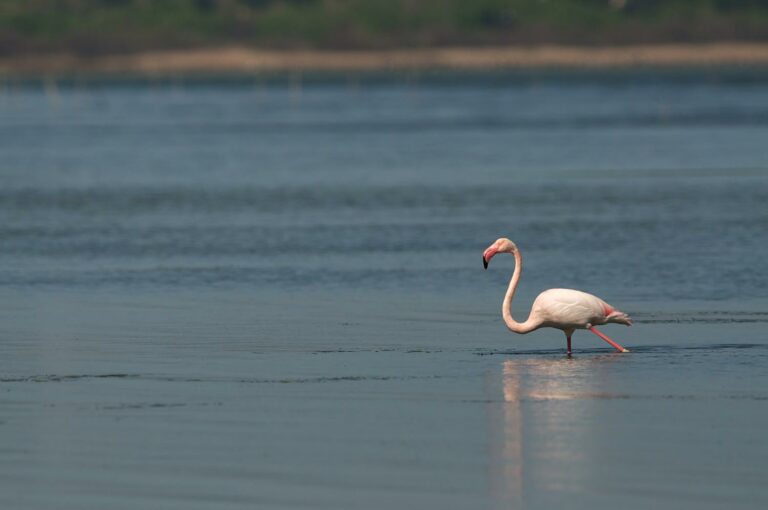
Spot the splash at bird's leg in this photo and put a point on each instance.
(604, 337)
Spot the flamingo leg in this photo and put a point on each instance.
(605, 337)
(569, 345)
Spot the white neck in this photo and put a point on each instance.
(506, 308)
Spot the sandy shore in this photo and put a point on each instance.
(236, 59)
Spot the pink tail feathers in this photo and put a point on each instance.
(619, 318)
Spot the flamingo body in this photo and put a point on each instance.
(564, 309)
(569, 309)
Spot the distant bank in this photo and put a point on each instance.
(246, 60)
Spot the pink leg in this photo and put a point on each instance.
(604, 337)
(569, 345)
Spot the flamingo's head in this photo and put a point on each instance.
(502, 245)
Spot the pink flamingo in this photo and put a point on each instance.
(563, 309)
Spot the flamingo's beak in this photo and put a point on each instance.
(488, 255)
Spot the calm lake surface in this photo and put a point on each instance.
(268, 293)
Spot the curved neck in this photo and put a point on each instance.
(506, 308)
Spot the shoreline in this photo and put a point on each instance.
(247, 60)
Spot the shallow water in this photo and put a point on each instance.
(245, 293)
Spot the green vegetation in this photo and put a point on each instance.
(110, 26)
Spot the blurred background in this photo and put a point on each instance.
(240, 251)
(94, 27)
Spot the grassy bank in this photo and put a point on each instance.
(107, 27)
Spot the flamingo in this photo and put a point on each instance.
(564, 309)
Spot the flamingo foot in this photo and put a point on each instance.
(605, 337)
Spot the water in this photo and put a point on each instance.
(264, 293)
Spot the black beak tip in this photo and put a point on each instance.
(485, 263)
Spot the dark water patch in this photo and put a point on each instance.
(376, 350)
(464, 123)
(611, 79)
(225, 277)
(642, 349)
(706, 312)
(711, 347)
(121, 200)
(207, 380)
(446, 319)
(705, 320)
(339, 351)
(332, 379)
(143, 405)
(346, 351)
(66, 378)
(703, 317)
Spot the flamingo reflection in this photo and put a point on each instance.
(539, 432)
